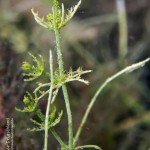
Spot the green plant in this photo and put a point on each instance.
(58, 79)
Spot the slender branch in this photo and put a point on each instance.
(64, 88)
(88, 146)
(41, 86)
(69, 115)
(54, 95)
(49, 102)
(45, 93)
(126, 70)
(57, 137)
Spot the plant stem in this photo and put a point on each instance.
(126, 70)
(49, 102)
(57, 137)
(88, 146)
(64, 88)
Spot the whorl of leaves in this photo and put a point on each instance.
(58, 18)
(54, 119)
(35, 70)
(30, 103)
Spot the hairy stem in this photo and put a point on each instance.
(49, 102)
(64, 88)
(126, 70)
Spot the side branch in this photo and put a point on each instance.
(124, 71)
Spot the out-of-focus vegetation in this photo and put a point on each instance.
(120, 118)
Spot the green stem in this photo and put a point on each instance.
(101, 88)
(57, 137)
(64, 88)
(49, 103)
(88, 146)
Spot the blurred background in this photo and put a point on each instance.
(105, 36)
